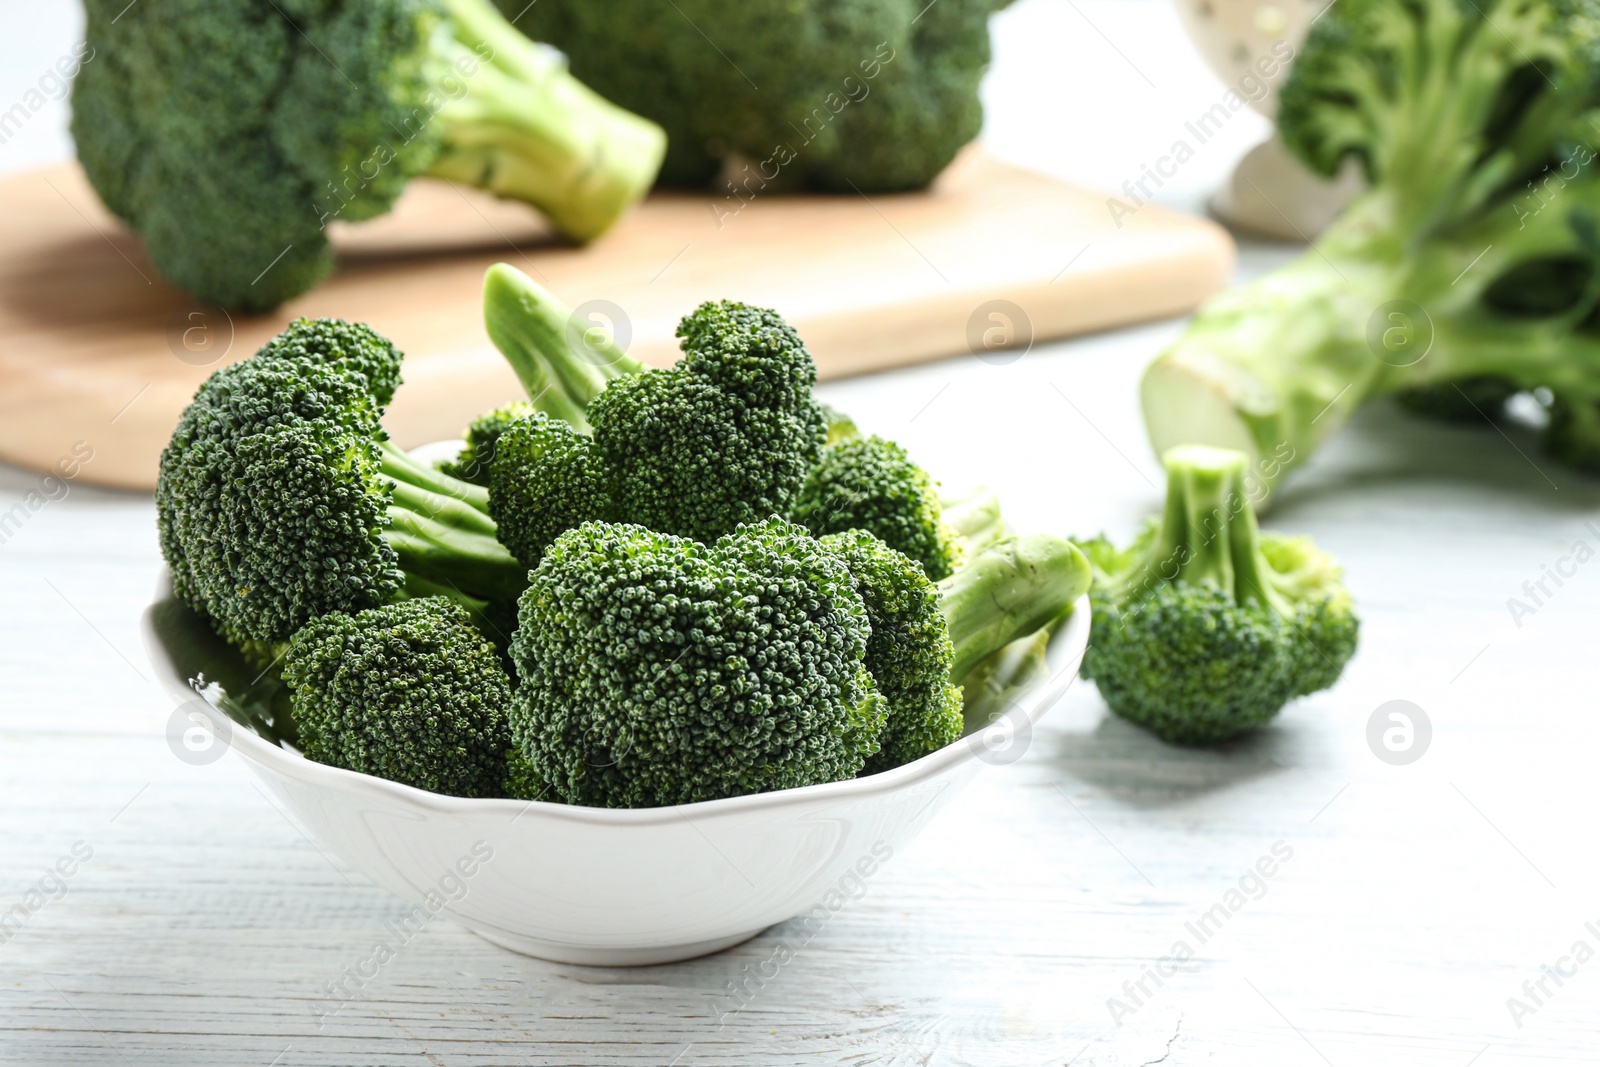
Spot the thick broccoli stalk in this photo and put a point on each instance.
(829, 94)
(723, 437)
(1205, 627)
(1007, 591)
(280, 499)
(867, 483)
(231, 135)
(1472, 258)
(410, 692)
(656, 670)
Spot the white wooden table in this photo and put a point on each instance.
(203, 927)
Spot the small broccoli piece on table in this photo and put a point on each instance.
(408, 691)
(1205, 627)
(543, 483)
(908, 653)
(867, 483)
(873, 95)
(723, 437)
(280, 499)
(483, 433)
(656, 670)
(230, 135)
(1472, 260)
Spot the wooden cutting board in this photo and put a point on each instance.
(95, 348)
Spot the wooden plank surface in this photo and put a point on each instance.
(98, 348)
(204, 928)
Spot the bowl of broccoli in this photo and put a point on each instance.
(653, 659)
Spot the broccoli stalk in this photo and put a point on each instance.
(1007, 591)
(230, 136)
(1453, 270)
(1205, 626)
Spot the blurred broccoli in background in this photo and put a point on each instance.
(229, 135)
(1469, 271)
(842, 95)
(1205, 627)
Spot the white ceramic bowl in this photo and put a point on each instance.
(591, 885)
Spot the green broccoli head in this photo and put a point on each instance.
(1469, 271)
(657, 670)
(723, 437)
(407, 691)
(483, 435)
(909, 652)
(279, 499)
(867, 483)
(872, 95)
(230, 135)
(542, 484)
(1205, 627)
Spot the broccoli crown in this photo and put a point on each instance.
(1472, 261)
(723, 437)
(472, 463)
(231, 135)
(871, 484)
(279, 498)
(350, 346)
(657, 670)
(270, 507)
(408, 691)
(909, 652)
(816, 65)
(1206, 627)
(224, 133)
(542, 484)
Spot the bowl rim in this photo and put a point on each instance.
(1067, 647)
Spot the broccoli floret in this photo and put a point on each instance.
(841, 427)
(280, 499)
(407, 691)
(656, 670)
(483, 434)
(723, 437)
(867, 483)
(542, 484)
(1473, 257)
(230, 135)
(908, 653)
(830, 94)
(1205, 627)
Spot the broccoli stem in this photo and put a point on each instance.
(1276, 367)
(1009, 591)
(517, 123)
(534, 331)
(976, 517)
(442, 532)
